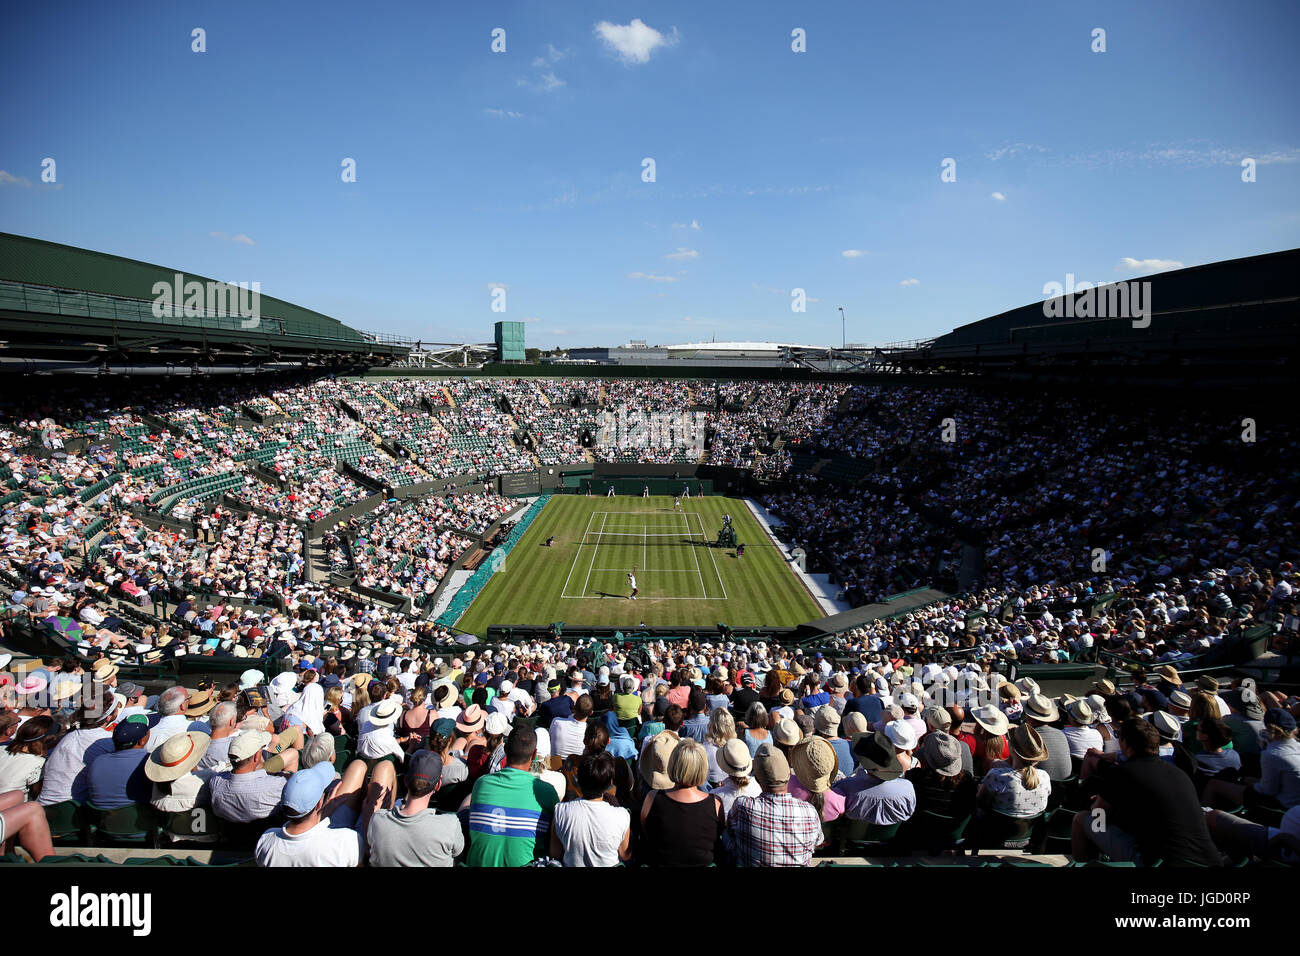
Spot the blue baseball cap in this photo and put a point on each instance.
(306, 787)
(131, 731)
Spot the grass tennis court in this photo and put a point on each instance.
(582, 579)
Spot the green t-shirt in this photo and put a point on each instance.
(627, 706)
(510, 819)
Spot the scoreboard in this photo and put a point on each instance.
(521, 484)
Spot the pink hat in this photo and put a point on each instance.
(32, 684)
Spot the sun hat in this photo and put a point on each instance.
(734, 758)
(654, 765)
(991, 719)
(360, 680)
(936, 718)
(1166, 724)
(814, 764)
(471, 719)
(853, 723)
(1180, 698)
(1080, 712)
(496, 723)
(876, 754)
(32, 684)
(1098, 705)
(251, 678)
(104, 669)
(62, 690)
(246, 743)
(1027, 743)
(385, 713)
(786, 696)
(826, 721)
(1028, 686)
(771, 769)
(1169, 673)
(306, 788)
(902, 734)
(787, 732)
(1041, 708)
(1104, 687)
(941, 752)
(200, 702)
(443, 695)
(176, 756)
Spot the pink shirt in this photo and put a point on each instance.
(834, 801)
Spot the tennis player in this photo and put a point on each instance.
(631, 582)
(677, 503)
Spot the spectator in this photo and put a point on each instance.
(510, 811)
(682, 824)
(116, 778)
(775, 828)
(412, 832)
(589, 831)
(1150, 808)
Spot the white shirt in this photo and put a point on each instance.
(319, 846)
(167, 727)
(567, 736)
(590, 831)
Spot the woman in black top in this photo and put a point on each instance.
(683, 826)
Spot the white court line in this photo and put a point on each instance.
(691, 534)
(593, 558)
(713, 559)
(645, 548)
(564, 591)
(651, 570)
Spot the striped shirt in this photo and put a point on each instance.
(509, 818)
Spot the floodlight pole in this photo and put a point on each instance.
(843, 333)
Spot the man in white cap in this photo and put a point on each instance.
(247, 792)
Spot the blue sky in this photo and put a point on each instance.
(774, 170)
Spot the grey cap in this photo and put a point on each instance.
(941, 752)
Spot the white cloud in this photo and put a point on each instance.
(551, 55)
(651, 277)
(854, 253)
(545, 83)
(683, 254)
(694, 224)
(999, 197)
(910, 282)
(8, 179)
(1129, 264)
(634, 42)
(1016, 149)
(236, 238)
(505, 114)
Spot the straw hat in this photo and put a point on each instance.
(734, 759)
(200, 703)
(814, 764)
(1041, 708)
(991, 719)
(654, 766)
(1027, 744)
(471, 719)
(1081, 712)
(176, 756)
(1170, 674)
(385, 713)
(787, 732)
